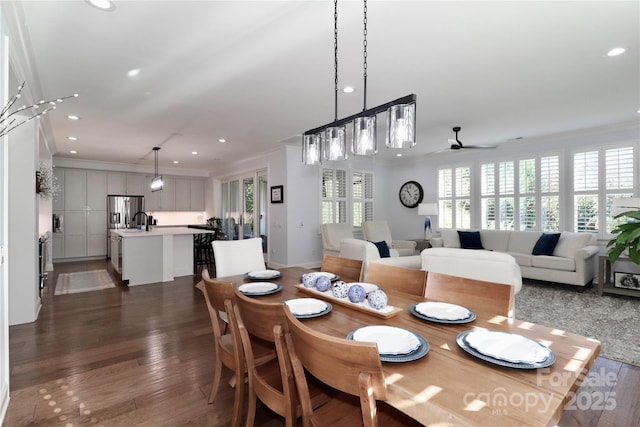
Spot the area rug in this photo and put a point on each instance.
(83, 281)
(612, 320)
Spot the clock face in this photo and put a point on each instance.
(411, 194)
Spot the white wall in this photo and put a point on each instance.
(22, 253)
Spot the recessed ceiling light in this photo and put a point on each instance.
(348, 89)
(72, 138)
(106, 5)
(134, 72)
(73, 152)
(175, 162)
(194, 152)
(73, 117)
(616, 51)
(399, 155)
(222, 140)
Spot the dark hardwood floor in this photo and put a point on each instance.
(143, 356)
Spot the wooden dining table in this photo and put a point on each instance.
(448, 386)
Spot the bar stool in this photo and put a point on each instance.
(203, 253)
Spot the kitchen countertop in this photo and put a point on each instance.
(158, 231)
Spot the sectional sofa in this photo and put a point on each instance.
(573, 261)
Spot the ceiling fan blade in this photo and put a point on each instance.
(480, 146)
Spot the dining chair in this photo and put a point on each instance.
(477, 295)
(234, 257)
(228, 349)
(352, 368)
(272, 383)
(401, 279)
(349, 270)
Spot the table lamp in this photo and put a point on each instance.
(427, 209)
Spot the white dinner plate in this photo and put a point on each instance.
(443, 310)
(263, 274)
(390, 340)
(509, 347)
(259, 288)
(308, 307)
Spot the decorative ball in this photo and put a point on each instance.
(309, 280)
(357, 293)
(340, 289)
(377, 299)
(323, 283)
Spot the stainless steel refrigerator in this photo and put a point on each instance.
(121, 210)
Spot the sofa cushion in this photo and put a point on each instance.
(570, 242)
(383, 249)
(450, 238)
(546, 244)
(496, 240)
(523, 260)
(554, 262)
(470, 240)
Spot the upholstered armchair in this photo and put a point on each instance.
(377, 231)
(363, 251)
(332, 234)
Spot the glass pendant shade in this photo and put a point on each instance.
(401, 126)
(334, 146)
(365, 138)
(311, 149)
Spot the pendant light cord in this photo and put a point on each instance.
(335, 55)
(364, 55)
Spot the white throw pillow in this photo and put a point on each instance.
(450, 238)
(570, 242)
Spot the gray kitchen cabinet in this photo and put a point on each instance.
(57, 246)
(183, 194)
(75, 190)
(197, 195)
(75, 234)
(168, 194)
(116, 184)
(96, 191)
(136, 185)
(151, 198)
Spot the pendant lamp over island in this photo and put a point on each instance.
(328, 142)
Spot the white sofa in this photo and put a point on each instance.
(574, 260)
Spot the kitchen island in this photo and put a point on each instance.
(158, 255)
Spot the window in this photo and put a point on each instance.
(520, 195)
(336, 194)
(454, 197)
(599, 176)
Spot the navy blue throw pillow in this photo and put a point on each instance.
(383, 249)
(546, 244)
(470, 240)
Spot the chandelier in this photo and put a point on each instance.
(328, 142)
(156, 182)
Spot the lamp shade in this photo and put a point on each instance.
(311, 149)
(365, 137)
(334, 145)
(401, 126)
(428, 209)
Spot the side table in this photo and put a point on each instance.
(605, 284)
(421, 244)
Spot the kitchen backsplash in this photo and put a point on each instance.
(178, 218)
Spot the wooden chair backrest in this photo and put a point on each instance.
(215, 292)
(259, 317)
(349, 270)
(343, 364)
(401, 279)
(477, 295)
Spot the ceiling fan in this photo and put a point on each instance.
(456, 144)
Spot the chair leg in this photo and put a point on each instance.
(217, 373)
(236, 417)
(251, 406)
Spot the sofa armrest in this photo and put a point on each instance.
(436, 242)
(587, 252)
(586, 263)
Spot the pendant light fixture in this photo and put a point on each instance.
(156, 182)
(334, 146)
(401, 120)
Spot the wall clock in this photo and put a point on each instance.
(411, 194)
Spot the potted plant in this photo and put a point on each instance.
(627, 238)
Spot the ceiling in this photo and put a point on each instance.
(258, 74)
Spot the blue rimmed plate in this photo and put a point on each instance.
(263, 275)
(259, 288)
(301, 310)
(470, 318)
(421, 351)
(461, 339)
